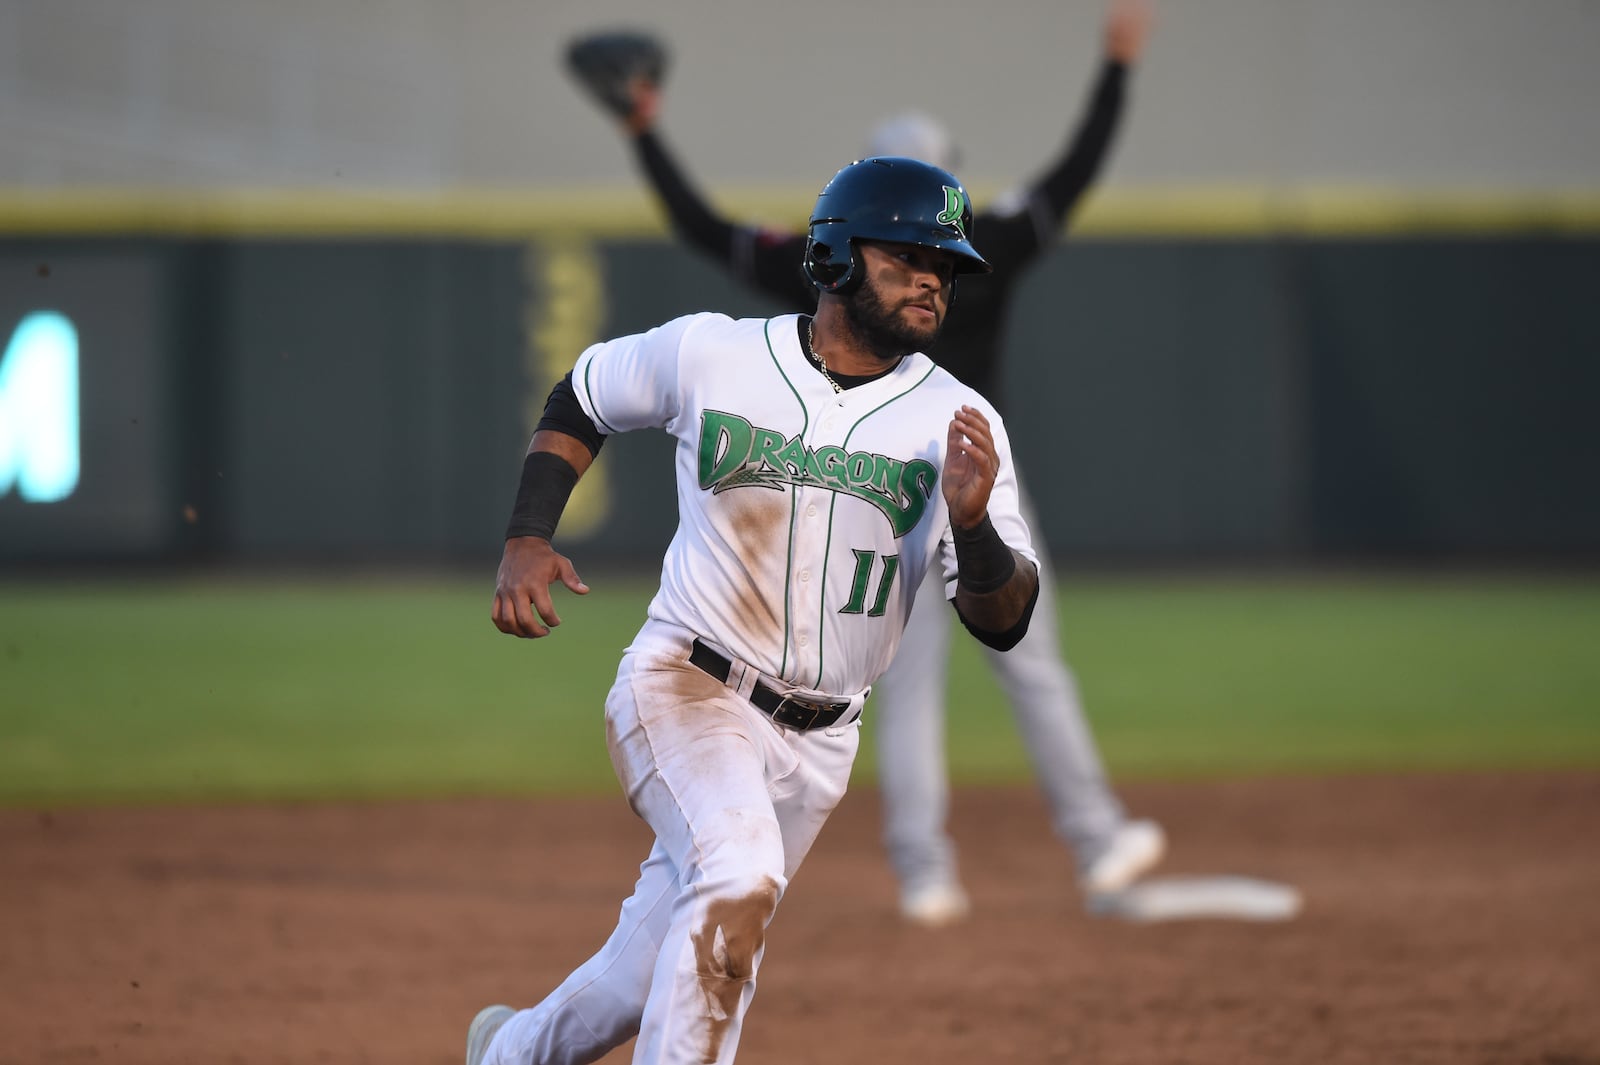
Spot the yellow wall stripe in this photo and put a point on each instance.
(629, 212)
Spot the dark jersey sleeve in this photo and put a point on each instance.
(1011, 237)
(768, 260)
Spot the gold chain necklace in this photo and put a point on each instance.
(811, 333)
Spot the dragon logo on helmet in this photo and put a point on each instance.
(954, 205)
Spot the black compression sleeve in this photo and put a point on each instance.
(564, 414)
(547, 483)
(1002, 641)
(985, 564)
(983, 561)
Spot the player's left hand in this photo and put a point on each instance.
(971, 463)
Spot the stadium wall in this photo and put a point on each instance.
(1258, 398)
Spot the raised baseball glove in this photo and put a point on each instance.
(606, 64)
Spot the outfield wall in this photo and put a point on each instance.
(1250, 398)
(415, 94)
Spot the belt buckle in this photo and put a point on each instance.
(796, 713)
(805, 714)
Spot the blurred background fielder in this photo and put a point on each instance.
(624, 72)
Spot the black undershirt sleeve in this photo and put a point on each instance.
(1010, 240)
(1061, 187)
(775, 267)
(564, 414)
(767, 259)
(691, 215)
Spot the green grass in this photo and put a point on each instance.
(206, 689)
(1202, 677)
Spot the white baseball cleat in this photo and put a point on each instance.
(1135, 849)
(481, 1032)
(935, 905)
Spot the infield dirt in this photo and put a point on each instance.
(1449, 918)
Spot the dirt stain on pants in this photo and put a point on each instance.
(726, 948)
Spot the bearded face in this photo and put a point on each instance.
(882, 324)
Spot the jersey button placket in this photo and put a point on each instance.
(810, 544)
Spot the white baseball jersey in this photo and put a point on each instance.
(807, 518)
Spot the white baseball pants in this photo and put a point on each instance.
(735, 802)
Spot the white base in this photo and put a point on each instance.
(1174, 898)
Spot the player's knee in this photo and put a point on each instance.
(735, 927)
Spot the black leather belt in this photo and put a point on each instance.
(798, 714)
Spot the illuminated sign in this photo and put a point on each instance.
(39, 409)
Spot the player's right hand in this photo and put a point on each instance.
(529, 567)
(1127, 28)
(646, 97)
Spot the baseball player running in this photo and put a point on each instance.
(824, 468)
(1111, 850)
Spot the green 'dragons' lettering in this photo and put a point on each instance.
(736, 454)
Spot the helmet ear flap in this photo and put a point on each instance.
(829, 271)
